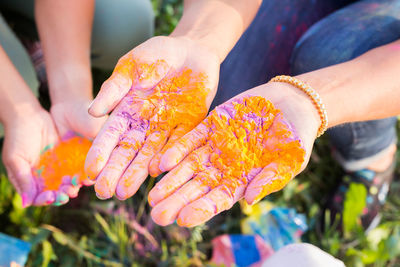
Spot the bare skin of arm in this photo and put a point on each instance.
(217, 24)
(365, 88)
(65, 30)
(142, 93)
(28, 129)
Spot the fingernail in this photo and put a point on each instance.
(91, 104)
(74, 180)
(101, 198)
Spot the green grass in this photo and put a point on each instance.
(90, 232)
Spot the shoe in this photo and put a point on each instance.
(377, 186)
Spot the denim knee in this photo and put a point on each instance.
(360, 140)
(340, 37)
(347, 34)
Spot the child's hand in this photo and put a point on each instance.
(246, 148)
(25, 137)
(158, 92)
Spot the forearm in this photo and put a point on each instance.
(65, 32)
(217, 24)
(365, 88)
(15, 95)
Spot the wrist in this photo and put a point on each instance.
(20, 112)
(216, 25)
(70, 83)
(207, 42)
(292, 102)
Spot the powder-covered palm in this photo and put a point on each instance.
(24, 142)
(158, 92)
(244, 149)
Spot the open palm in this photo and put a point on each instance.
(158, 92)
(246, 148)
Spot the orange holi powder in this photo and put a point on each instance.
(176, 104)
(67, 158)
(251, 140)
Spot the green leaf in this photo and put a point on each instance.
(354, 203)
(47, 253)
(106, 228)
(60, 238)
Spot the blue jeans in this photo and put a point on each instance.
(293, 37)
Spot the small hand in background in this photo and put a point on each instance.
(158, 92)
(26, 137)
(246, 148)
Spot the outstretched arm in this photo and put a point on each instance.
(65, 29)
(365, 88)
(159, 91)
(202, 185)
(217, 24)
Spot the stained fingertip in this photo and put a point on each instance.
(154, 169)
(265, 183)
(71, 191)
(102, 189)
(170, 159)
(196, 213)
(45, 198)
(61, 199)
(26, 200)
(163, 214)
(88, 182)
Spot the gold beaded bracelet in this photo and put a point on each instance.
(315, 98)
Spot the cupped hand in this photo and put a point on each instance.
(248, 147)
(26, 137)
(158, 92)
(72, 116)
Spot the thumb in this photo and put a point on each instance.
(128, 73)
(111, 93)
(271, 179)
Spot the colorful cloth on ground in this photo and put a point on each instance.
(240, 250)
(13, 250)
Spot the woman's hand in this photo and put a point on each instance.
(26, 136)
(158, 92)
(246, 148)
(72, 116)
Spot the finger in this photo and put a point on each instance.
(120, 159)
(61, 198)
(77, 180)
(271, 179)
(177, 133)
(110, 94)
(217, 200)
(70, 190)
(183, 147)
(104, 144)
(137, 171)
(45, 198)
(179, 175)
(20, 174)
(128, 74)
(166, 211)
